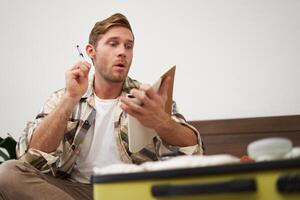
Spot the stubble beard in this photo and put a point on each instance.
(108, 74)
(115, 79)
(110, 77)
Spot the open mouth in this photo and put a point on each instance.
(120, 65)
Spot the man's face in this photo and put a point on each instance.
(113, 54)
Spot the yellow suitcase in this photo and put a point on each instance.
(272, 180)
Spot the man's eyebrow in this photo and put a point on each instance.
(116, 38)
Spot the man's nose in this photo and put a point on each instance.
(121, 51)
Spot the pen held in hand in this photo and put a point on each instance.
(80, 52)
(83, 58)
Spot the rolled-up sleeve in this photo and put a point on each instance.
(166, 149)
(39, 159)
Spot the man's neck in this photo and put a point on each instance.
(107, 90)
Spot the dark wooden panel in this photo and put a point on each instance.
(232, 136)
(236, 144)
(249, 125)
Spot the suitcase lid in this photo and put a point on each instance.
(198, 171)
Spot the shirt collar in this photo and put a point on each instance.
(89, 94)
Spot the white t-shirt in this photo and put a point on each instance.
(99, 148)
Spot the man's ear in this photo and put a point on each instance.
(90, 50)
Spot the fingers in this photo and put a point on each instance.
(82, 66)
(77, 73)
(81, 63)
(80, 70)
(131, 107)
(148, 90)
(146, 93)
(141, 95)
(148, 96)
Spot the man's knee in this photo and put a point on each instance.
(9, 172)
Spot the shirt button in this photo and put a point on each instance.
(73, 147)
(86, 122)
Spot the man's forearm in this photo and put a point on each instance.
(50, 132)
(177, 134)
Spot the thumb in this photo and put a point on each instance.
(163, 90)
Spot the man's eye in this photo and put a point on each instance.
(128, 46)
(113, 44)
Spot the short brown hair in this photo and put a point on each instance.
(101, 27)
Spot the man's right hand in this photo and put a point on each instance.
(48, 135)
(77, 80)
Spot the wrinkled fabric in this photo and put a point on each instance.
(61, 161)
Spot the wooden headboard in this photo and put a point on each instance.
(231, 136)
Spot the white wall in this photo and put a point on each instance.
(234, 58)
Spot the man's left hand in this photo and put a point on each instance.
(150, 111)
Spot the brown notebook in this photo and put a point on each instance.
(140, 136)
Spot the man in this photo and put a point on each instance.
(85, 125)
